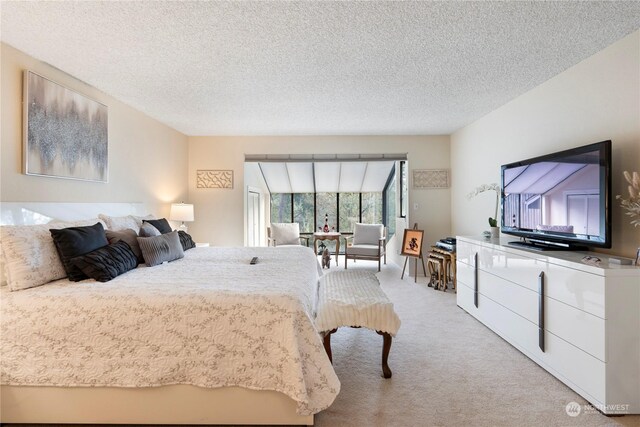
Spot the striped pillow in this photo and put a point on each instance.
(158, 249)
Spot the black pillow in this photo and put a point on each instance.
(186, 241)
(75, 241)
(161, 224)
(128, 236)
(107, 262)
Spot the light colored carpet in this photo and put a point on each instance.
(448, 370)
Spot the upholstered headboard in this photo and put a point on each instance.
(25, 213)
(30, 213)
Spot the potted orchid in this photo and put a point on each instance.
(493, 221)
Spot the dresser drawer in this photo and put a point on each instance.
(577, 327)
(576, 288)
(464, 299)
(465, 252)
(562, 359)
(582, 329)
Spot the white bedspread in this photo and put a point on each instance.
(209, 320)
(354, 298)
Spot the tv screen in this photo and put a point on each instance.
(561, 200)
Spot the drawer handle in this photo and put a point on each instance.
(541, 311)
(475, 280)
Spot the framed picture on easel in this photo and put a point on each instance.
(412, 247)
(412, 243)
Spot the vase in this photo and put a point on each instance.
(495, 232)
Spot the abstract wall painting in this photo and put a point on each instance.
(65, 133)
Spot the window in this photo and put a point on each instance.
(404, 189)
(349, 211)
(281, 207)
(326, 204)
(389, 208)
(343, 210)
(303, 211)
(372, 208)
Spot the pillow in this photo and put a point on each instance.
(158, 249)
(161, 224)
(107, 262)
(148, 230)
(75, 241)
(128, 236)
(287, 233)
(367, 234)
(117, 223)
(186, 241)
(29, 255)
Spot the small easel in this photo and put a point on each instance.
(414, 233)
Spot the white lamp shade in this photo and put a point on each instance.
(181, 212)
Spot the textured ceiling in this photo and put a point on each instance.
(315, 68)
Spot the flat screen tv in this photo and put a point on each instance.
(561, 200)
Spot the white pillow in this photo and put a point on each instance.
(367, 234)
(29, 255)
(118, 223)
(287, 233)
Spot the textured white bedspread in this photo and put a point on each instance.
(354, 298)
(209, 320)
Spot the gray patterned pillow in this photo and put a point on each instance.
(158, 249)
(148, 230)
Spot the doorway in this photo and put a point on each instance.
(254, 227)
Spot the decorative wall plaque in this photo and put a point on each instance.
(214, 179)
(430, 178)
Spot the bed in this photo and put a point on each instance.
(208, 339)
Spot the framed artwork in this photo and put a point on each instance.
(65, 134)
(214, 179)
(412, 242)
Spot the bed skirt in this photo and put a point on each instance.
(174, 404)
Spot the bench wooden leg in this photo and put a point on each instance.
(386, 347)
(327, 344)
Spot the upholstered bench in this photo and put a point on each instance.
(354, 299)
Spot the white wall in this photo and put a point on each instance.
(595, 100)
(147, 160)
(221, 212)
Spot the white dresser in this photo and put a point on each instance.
(578, 321)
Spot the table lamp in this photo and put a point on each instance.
(181, 212)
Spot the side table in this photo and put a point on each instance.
(334, 235)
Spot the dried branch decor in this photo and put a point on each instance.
(632, 204)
